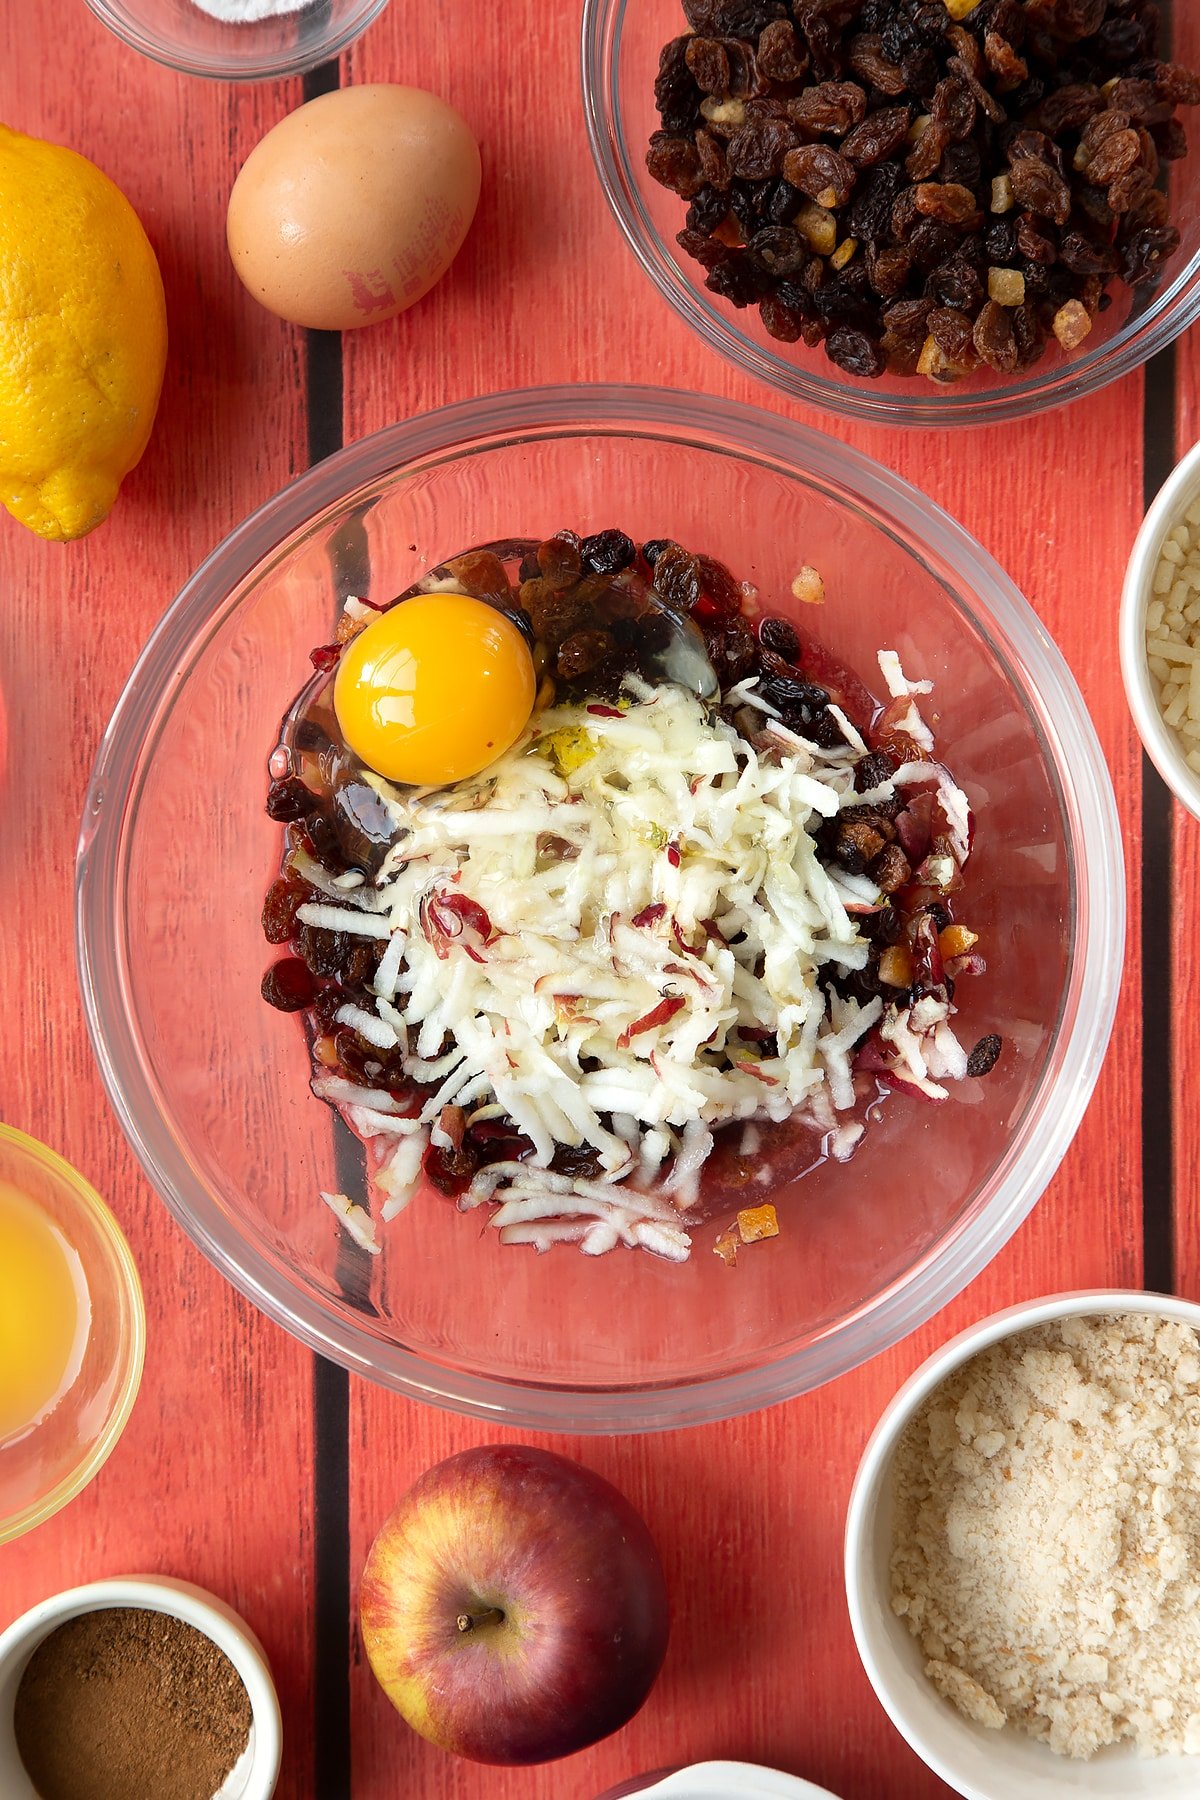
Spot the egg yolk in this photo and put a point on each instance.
(434, 689)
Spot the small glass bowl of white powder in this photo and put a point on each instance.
(1160, 632)
(238, 40)
(1023, 1553)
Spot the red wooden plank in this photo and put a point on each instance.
(212, 1480)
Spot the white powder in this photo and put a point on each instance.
(247, 12)
(1046, 1551)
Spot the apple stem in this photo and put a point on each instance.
(472, 1621)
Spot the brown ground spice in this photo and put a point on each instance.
(128, 1704)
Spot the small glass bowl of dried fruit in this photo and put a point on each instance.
(908, 211)
(1160, 632)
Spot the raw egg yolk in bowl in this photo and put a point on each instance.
(435, 689)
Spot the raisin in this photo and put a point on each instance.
(985, 1055)
(1079, 254)
(607, 552)
(780, 638)
(1170, 140)
(1178, 85)
(957, 283)
(870, 211)
(880, 134)
(832, 108)
(719, 592)
(674, 162)
(993, 338)
(1040, 189)
(731, 651)
(953, 108)
(962, 166)
(888, 271)
(779, 249)
(781, 322)
(758, 150)
(676, 95)
(707, 251)
(1033, 242)
(709, 206)
(1128, 191)
(323, 951)
(677, 577)
(554, 613)
(783, 203)
(288, 985)
(781, 55)
(951, 332)
(284, 899)
(708, 64)
(582, 652)
(653, 548)
(1069, 108)
(1142, 101)
(289, 799)
(872, 67)
(821, 173)
(1118, 153)
(1143, 255)
(873, 770)
(855, 352)
(1009, 69)
(947, 202)
(925, 157)
(891, 869)
(739, 279)
(732, 18)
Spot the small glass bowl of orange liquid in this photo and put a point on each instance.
(72, 1333)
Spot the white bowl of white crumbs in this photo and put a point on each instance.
(1160, 632)
(1023, 1553)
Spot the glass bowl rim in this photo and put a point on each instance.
(84, 1195)
(715, 426)
(112, 14)
(1174, 308)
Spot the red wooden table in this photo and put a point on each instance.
(248, 1466)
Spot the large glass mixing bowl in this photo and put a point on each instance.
(211, 1085)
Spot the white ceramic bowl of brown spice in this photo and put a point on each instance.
(1023, 1552)
(1160, 632)
(188, 1708)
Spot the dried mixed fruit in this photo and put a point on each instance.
(926, 187)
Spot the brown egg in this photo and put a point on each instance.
(354, 205)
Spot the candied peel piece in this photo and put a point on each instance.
(757, 1222)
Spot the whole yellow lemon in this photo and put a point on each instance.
(83, 337)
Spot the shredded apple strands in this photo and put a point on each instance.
(612, 938)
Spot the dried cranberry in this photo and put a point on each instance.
(288, 986)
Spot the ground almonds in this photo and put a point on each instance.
(1046, 1544)
(1173, 634)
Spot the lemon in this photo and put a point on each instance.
(83, 337)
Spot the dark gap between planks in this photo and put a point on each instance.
(331, 1384)
(1158, 1148)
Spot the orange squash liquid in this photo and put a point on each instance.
(43, 1314)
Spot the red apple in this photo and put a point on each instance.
(513, 1606)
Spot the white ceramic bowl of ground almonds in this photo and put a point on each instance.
(1160, 632)
(1024, 1534)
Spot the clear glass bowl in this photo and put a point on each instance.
(44, 1469)
(181, 34)
(620, 50)
(211, 1085)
